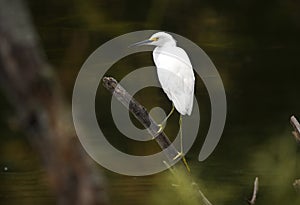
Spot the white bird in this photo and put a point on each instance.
(175, 74)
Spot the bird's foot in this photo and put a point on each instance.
(179, 154)
(160, 130)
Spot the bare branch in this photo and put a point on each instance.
(145, 119)
(141, 114)
(294, 122)
(255, 191)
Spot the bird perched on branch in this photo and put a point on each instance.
(175, 74)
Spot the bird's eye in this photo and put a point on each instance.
(154, 39)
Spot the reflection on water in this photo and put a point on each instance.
(22, 179)
(254, 45)
(24, 188)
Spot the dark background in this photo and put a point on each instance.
(254, 45)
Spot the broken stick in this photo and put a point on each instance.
(294, 122)
(255, 191)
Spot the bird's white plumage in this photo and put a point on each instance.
(174, 70)
(175, 73)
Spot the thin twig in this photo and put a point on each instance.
(294, 122)
(204, 199)
(255, 191)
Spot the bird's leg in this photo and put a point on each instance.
(180, 154)
(163, 123)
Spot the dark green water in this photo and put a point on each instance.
(254, 46)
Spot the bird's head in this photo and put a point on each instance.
(158, 39)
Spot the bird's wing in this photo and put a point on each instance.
(176, 77)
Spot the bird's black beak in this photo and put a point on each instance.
(141, 43)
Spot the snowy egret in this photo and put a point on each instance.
(175, 74)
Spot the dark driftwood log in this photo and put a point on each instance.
(32, 90)
(294, 122)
